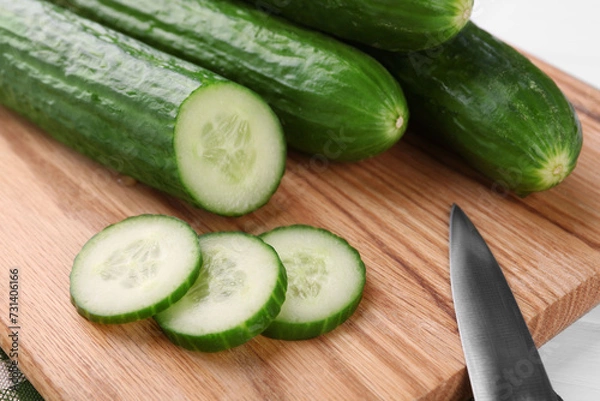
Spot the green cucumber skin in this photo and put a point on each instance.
(481, 98)
(255, 325)
(393, 25)
(307, 330)
(333, 100)
(237, 336)
(100, 92)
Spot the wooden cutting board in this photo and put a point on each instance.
(401, 344)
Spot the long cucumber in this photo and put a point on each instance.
(394, 25)
(493, 106)
(163, 121)
(332, 99)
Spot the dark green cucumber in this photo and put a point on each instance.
(393, 25)
(494, 107)
(332, 99)
(161, 120)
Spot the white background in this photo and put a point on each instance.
(566, 34)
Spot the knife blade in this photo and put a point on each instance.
(502, 360)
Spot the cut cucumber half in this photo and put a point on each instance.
(165, 122)
(239, 292)
(134, 269)
(326, 278)
(230, 149)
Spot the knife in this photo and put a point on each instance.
(502, 360)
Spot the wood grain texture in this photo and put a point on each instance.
(401, 344)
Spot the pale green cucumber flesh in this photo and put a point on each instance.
(230, 149)
(134, 269)
(238, 293)
(326, 279)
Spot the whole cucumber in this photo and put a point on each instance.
(394, 25)
(494, 107)
(333, 100)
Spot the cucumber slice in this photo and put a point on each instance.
(134, 269)
(239, 292)
(326, 278)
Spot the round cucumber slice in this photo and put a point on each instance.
(230, 149)
(135, 268)
(326, 278)
(239, 292)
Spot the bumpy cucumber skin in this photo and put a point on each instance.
(216, 342)
(106, 95)
(290, 331)
(333, 100)
(394, 25)
(150, 311)
(494, 107)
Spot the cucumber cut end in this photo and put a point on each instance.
(230, 149)
(135, 268)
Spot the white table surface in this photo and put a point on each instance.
(564, 33)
